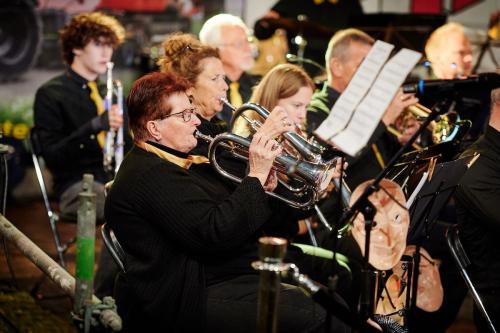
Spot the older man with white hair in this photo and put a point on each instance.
(449, 51)
(231, 36)
(450, 54)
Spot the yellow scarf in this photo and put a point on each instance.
(182, 162)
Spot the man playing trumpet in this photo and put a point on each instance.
(70, 119)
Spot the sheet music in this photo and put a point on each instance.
(420, 184)
(360, 83)
(371, 109)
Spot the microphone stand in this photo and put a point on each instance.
(365, 207)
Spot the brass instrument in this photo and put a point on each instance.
(311, 151)
(308, 167)
(113, 147)
(444, 129)
(315, 177)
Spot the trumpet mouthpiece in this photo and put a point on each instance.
(225, 101)
(201, 136)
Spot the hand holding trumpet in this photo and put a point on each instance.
(277, 123)
(115, 119)
(262, 152)
(400, 102)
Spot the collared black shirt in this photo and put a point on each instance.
(478, 210)
(67, 124)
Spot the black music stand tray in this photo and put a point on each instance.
(433, 196)
(424, 211)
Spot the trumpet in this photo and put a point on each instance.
(310, 167)
(113, 147)
(444, 129)
(311, 151)
(314, 176)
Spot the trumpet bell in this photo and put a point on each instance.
(442, 130)
(313, 178)
(305, 169)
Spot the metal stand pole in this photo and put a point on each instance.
(271, 253)
(85, 245)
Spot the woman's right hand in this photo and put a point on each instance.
(262, 152)
(277, 123)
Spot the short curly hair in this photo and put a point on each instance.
(183, 54)
(86, 27)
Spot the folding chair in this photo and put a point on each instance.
(463, 262)
(114, 247)
(51, 214)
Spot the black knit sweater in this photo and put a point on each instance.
(170, 222)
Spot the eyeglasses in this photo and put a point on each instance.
(185, 114)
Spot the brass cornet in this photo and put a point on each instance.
(311, 151)
(113, 147)
(305, 171)
(315, 177)
(443, 129)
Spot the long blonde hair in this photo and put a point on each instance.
(282, 81)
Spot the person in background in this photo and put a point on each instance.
(314, 20)
(450, 55)
(71, 121)
(346, 51)
(201, 65)
(449, 52)
(230, 35)
(286, 87)
(189, 238)
(477, 198)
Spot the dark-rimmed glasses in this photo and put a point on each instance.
(185, 114)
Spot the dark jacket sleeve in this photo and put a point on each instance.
(59, 146)
(199, 223)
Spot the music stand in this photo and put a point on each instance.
(432, 197)
(364, 206)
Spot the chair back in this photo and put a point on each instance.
(114, 247)
(36, 150)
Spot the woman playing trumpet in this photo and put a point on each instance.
(188, 238)
(201, 65)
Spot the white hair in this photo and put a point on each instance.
(211, 31)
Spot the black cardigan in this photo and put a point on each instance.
(478, 213)
(170, 221)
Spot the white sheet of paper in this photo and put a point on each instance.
(371, 109)
(360, 83)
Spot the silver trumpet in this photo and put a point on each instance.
(313, 151)
(113, 147)
(315, 177)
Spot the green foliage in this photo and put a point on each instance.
(16, 117)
